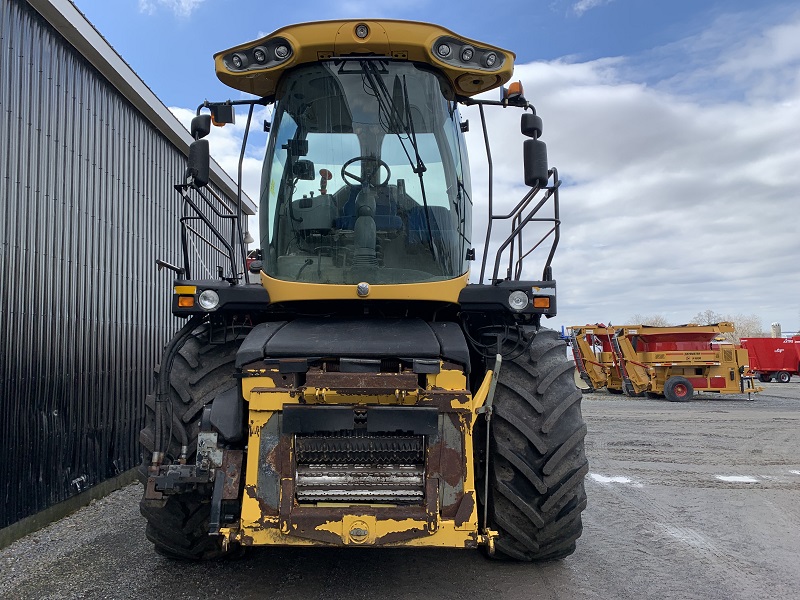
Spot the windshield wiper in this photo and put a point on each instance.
(388, 105)
(420, 169)
(397, 119)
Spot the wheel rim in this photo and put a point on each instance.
(680, 390)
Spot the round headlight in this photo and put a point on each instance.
(490, 59)
(467, 53)
(260, 55)
(208, 300)
(238, 61)
(362, 31)
(443, 50)
(281, 52)
(518, 300)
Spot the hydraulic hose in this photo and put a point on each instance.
(162, 390)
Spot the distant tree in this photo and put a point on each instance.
(654, 320)
(748, 326)
(744, 325)
(707, 317)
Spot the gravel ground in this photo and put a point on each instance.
(695, 500)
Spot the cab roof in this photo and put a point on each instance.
(471, 67)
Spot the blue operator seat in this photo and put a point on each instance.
(386, 218)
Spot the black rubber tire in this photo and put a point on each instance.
(179, 528)
(537, 462)
(764, 377)
(783, 377)
(678, 389)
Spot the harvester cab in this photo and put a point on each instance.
(365, 393)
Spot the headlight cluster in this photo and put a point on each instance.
(267, 55)
(461, 54)
(519, 300)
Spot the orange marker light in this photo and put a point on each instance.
(541, 302)
(515, 90)
(186, 301)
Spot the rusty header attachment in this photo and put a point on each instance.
(471, 67)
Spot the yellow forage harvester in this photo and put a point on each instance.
(343, 384)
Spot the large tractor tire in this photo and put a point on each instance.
(201, 370)
(537, 463)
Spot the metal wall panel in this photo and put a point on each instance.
(88, 206)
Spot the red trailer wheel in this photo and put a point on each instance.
(678, 389)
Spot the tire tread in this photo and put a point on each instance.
(537, 463)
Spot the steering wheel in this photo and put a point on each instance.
(347, 174)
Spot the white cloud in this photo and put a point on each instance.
(181, 8)
(673, 201)
(582, 6)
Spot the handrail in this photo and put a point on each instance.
(519, 221)
(192, 212)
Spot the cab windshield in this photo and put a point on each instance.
(366, 176)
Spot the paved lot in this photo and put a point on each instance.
(696, 500)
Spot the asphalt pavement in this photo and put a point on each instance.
(691, 500)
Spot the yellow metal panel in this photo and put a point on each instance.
(407, 40)
(447, 535)
(742, 358)
(639, 376)
(479, 398)
(271, 401)
(287, 291)
(585, 353)
(257, 528)
(448, 380)
(251, 510)
(186, 290)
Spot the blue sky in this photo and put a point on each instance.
(675, 126)
(155, 36)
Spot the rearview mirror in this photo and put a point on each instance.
(535, 158)
(201, 126)
(304, 169)
(198, 168)
(531, 125)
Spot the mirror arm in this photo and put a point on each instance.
(239, 192)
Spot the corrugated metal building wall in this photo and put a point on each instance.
(88, 206)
